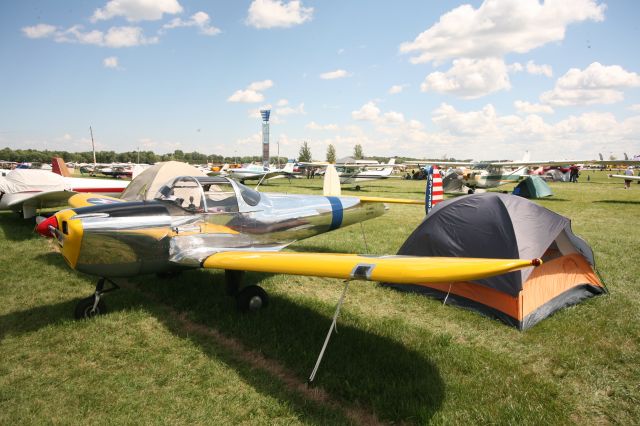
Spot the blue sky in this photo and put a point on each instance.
(482, 80)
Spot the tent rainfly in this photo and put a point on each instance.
(532, 187)
(497, 225)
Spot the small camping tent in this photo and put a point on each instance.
(497, 225)
(532, 187)
(146, 185)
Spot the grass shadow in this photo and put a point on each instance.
(360, 368)
(358, 364)
(15, 227)
(629, 202)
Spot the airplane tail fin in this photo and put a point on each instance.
(331, 183)
(388, 170)
(224, 167)
(526, 157)
(288, 167)
(434, 192)
(59, 167)
(626, 157)
(601, 159)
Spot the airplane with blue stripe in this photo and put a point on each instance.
(216, 222)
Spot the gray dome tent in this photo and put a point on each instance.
(497, 225)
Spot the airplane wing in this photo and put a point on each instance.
(89, 199)
(44, 199)
(390, 200)
(439, 163)
(393, 269)
(625, 177)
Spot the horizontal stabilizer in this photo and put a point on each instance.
(393, 269)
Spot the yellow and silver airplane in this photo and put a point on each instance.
(216, 222)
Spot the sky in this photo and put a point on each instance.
(483, 80)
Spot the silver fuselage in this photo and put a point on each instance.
(126, 239)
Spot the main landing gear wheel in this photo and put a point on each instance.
(252, 298)
(86, 309)
(357, 187)
(471, 191)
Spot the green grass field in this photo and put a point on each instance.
(177, 351)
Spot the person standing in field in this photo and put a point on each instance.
(627, 182)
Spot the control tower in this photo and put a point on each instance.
(265, 113)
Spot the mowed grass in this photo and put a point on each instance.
(177, 351)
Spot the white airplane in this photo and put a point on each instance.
(26, 190)
(258, 172)
(364, 172)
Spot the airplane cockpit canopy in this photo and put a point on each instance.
(207, 194)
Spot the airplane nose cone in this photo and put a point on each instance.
(43, 227)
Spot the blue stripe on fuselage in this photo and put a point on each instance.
(336, 212)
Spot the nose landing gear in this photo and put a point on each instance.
(94, 305)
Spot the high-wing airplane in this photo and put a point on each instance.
(362, 173)
(258, 172)
(350, 173)
(470, 176)
(216, 222)
(26, 190)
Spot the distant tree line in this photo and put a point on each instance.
(145, 157)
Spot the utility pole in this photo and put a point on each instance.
(93, 146)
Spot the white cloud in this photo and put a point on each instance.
(397, 88)
(252, 93)
(469, 78)
(126, 37)
(393, 117)
(201, 20)
(111, 62)
(529, 108)
(634, 108)
(115, 37)
(332, 75)
(265, 14)
(137, 10)
(368, 112)
(39, 31)
(499, 27)
(545, 70)
(261, 85)
(282, 102)
(597, 84)
(315, 126)
(287, 110)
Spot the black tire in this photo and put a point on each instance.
(252, 298)
(84, 308)
(357, 187)
(471, 191)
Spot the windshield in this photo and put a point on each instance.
(185, 192)
(249, 195)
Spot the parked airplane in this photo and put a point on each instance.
(216, 222)
(350, 173)
(471, 176)
(26, 190)
(259, 172)
(362, 173)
